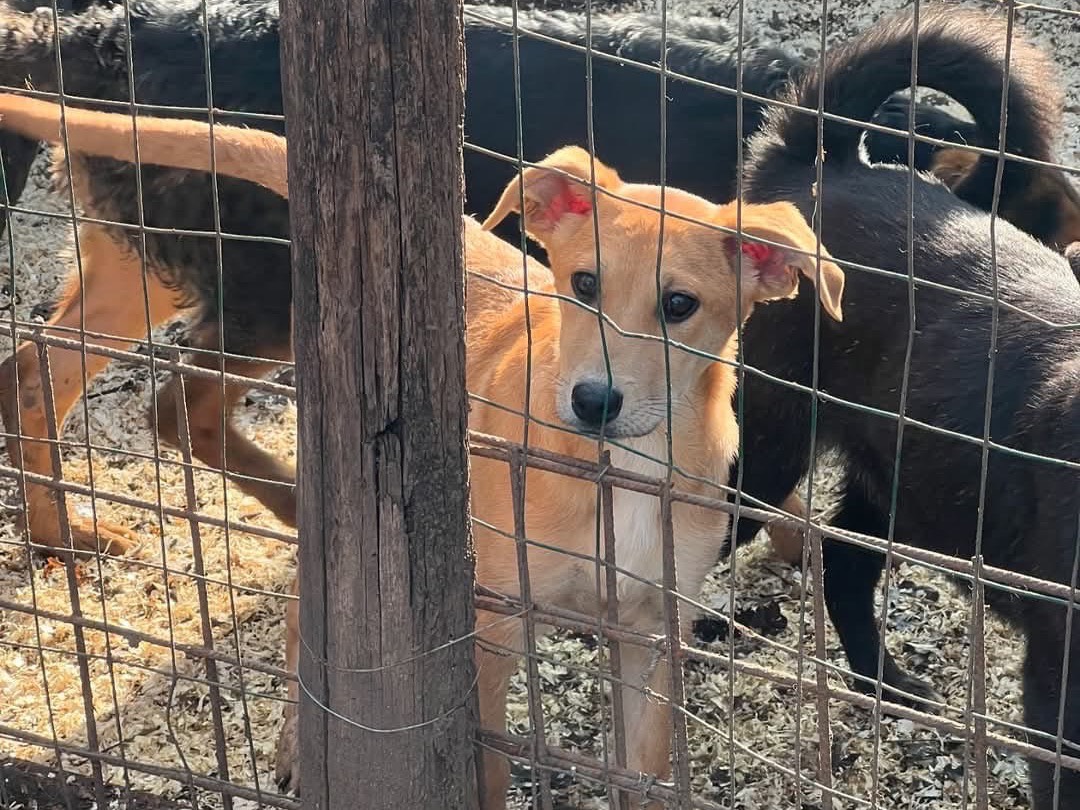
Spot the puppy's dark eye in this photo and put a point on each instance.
(679, 306)
(585, 286)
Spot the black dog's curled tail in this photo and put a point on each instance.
(961, 53)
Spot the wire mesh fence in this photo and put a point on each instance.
(884, 376)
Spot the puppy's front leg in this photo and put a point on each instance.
(647, 711)
(287, 767)
(497, 647)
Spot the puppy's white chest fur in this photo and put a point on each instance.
(639, 537)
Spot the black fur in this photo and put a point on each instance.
(702, 136)
(1032, 509)
(702, 124)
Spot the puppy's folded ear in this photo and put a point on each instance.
(774, 268)
(554, 190)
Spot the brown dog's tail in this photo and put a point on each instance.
(247, 154)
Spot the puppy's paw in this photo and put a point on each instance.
(287, 770)
(915, 693)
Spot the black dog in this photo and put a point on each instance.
(702, 124)
(1032, 508)
(702, 154)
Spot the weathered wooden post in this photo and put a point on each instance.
(373, 100)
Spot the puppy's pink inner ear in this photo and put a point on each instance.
(766, 260)
(567, 201)
(758, 253)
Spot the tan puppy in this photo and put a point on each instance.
(101, 299)
(570, 387)
(618, 383)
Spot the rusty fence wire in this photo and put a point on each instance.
(158, 678)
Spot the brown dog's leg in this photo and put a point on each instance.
(495, 666)
(287, 771)
(110, 302)
(258, 472)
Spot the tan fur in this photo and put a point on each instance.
(247, 154)
(566, 347)
(1050, 191)
(787, 541)
(110, 301)
(951, 166)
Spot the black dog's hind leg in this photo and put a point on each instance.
(851, 578)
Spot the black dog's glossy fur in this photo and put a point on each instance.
(702, 154)
(702, 138)
(1032, 508)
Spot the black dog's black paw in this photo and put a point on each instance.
(905, 690)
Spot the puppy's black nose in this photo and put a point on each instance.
(590, 400)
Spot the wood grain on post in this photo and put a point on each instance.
(373, 100)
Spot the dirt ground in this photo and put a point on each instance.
(150, 705)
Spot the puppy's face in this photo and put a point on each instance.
(615, 369)
(616, 373)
